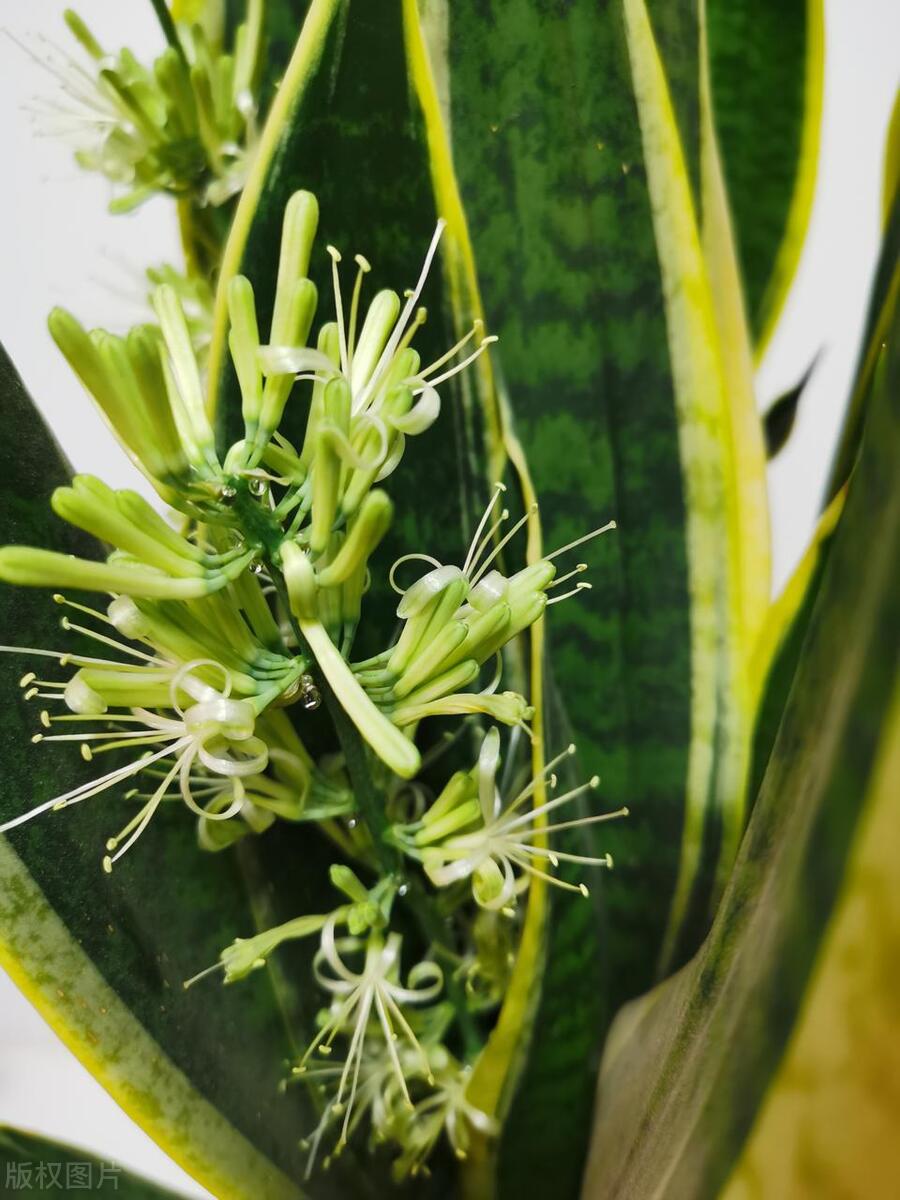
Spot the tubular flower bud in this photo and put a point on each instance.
(391, 746)
(151, 560)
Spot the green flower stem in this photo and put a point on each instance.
(260, 528)
(371, 809)
(372, 812)
(434, 926)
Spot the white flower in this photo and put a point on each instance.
(373, 994)
(209, 728)
(467, 834)
(445, 1109)
(194, 722)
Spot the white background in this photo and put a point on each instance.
(59, 246)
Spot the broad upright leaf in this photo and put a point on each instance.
(767, 63)
(103, 957)
(809, 924)
(523, 131)
(611, 360)
(788, 619)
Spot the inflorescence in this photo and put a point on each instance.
(218, 636)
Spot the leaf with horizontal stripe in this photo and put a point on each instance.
(767, 65)
(690, 1068)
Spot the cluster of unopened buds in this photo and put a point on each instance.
(220, 632)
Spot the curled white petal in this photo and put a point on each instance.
(391, 462)
(422, 415)
(289, 360)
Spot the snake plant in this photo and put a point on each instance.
(456, 812)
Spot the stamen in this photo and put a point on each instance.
(555, 856)
(63, 657)
(498, 489)
(532, 509)
(387, 354)
(525, 865)
(577, 821)
(592, 783)
(339, 309)
(58, 598)
(565, 578)
(364, 268)
(485, 542)
(85, 790)
(219, 966)
(60, 655)
(477, 328)
(107, 717)
(139, 823)
(579, 587)
(118, 735)
(547, 773)
(580, 541)
(461, 366)
(70, 626)
(417, 322)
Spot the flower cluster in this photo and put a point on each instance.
(185, 125)
(467, 833)
(220, 632)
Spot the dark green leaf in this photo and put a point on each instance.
(549, 162)
(879, 321)
(30, 1165)
(767, 63)
(781, 414)
(688, 1067)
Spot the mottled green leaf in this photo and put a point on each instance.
(523, 132)
(550, 164)
(789, 616)
(689, 1067)
(767, 62)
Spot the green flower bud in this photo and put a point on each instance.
(364, 534)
